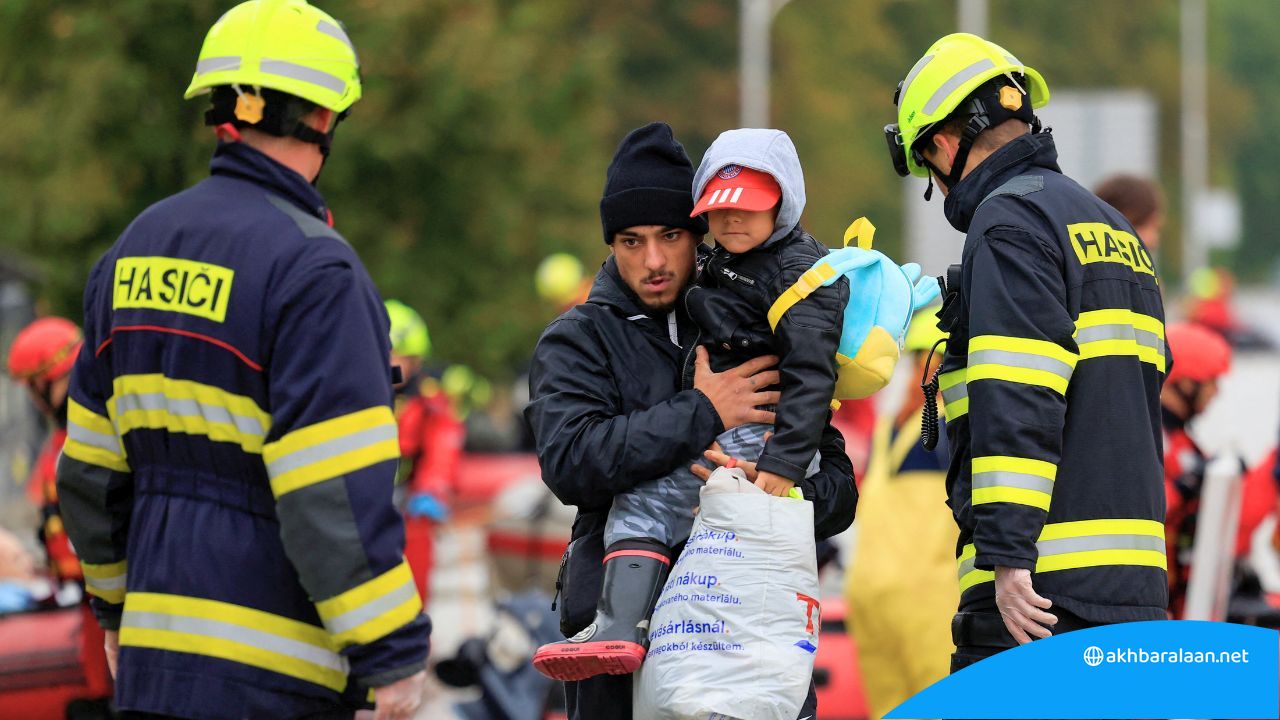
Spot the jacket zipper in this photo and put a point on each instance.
(693, 349)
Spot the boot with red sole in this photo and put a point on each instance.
(617, 639)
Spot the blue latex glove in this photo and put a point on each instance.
(14, 597)
(426, 505)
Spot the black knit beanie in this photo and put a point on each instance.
(649, 182)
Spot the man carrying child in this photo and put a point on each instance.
(624, 394)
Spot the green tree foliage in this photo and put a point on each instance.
(1251, 57)
(92, 130)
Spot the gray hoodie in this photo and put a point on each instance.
(765, 150)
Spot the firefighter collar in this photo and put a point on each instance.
(1012, 159)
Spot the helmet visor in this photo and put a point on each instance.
(897, 153)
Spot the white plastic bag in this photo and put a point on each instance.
(734, 633)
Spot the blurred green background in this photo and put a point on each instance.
(481, 143)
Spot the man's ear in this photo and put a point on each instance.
(320, 119)
(944, 149)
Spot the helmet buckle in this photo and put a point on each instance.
(249, 107)
(1010, 98)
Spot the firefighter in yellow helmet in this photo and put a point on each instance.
(901, 584)
(231, 453)
(1051, 379)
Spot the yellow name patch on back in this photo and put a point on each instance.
(173, 285)
(1099, 242)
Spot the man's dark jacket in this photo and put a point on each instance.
(608, 410)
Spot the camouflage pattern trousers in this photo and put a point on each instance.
(662, 509)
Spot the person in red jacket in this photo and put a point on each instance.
(431, 439)
(1200, 358)
(40, 360)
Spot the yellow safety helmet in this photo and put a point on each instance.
(284, 45)
(409, 336)
(559, 277)
(950, 71)
(923, 333)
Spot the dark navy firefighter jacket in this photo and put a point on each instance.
(1051, 384)
(228, 473)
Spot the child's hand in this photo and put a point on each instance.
(718, 456)
(773, 484)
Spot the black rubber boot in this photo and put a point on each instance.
(617, 639)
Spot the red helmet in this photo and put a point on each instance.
(1199, 353)
(46, 349)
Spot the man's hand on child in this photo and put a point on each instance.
(738, 393)
(773, 484)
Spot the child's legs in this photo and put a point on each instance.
(660, 509)
(746, 442)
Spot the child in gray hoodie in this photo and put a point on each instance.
(752, 188)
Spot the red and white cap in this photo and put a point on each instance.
(740, 188)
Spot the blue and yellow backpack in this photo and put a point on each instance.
(882, 298)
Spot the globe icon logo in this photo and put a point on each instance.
(1093, 656)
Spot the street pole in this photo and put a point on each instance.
(971, 16)
(1195, 134)
(753, 59)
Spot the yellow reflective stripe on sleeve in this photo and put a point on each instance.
(1020, 360)
(106, 581)
(1103, 333)
(955, 393)
(156, 402)
(92, 439)
(970, 575)
(331, 448)
(1023, 481)
(88, 419)
(1083, 544)
(801, 289)
(1025, 346)
(1017, 496)
(1023, 466)
(373, 609)
(231, 632)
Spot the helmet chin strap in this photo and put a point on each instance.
(59, 410)
(1189, 398)
(977, 123)
(984, 112)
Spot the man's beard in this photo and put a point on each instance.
(668, 306)
(662, 308)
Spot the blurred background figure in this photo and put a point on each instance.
(19, 583)
(856, 420)
(901, 585)
(1211, 302)
(1200, 358)
(40, 360)
(561, 281)
(1140, 201)
(431, 437)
